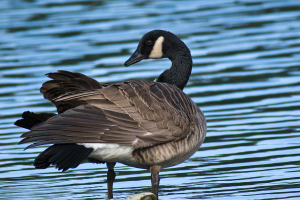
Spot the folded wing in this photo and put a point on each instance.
(136, 113)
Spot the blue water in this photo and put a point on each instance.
(246, 79)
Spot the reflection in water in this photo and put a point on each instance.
(245, 79)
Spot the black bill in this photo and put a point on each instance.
(135, 57)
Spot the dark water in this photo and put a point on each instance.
(246, 79)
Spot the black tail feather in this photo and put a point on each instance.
(29, 119)
(64, 156)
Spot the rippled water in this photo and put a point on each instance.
(245, 79)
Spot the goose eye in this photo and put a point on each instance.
(148, 42)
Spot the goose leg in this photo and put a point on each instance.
(110, 179)
(155, 178)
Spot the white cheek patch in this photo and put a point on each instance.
(157, 48)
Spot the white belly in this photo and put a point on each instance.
(113, 153)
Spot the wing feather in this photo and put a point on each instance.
(136, 113)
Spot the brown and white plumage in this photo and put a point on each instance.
(139, 123)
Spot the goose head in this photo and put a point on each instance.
(163, 44)
(151, 45)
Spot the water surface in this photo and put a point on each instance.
(245, 79)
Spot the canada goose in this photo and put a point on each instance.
(143, 124)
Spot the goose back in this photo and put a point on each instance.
(137, 114)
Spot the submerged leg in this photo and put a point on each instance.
(155, 178)
(110, 179)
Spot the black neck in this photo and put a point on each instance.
(180, 71)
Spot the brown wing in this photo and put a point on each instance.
(137, 113)
(64, 82)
